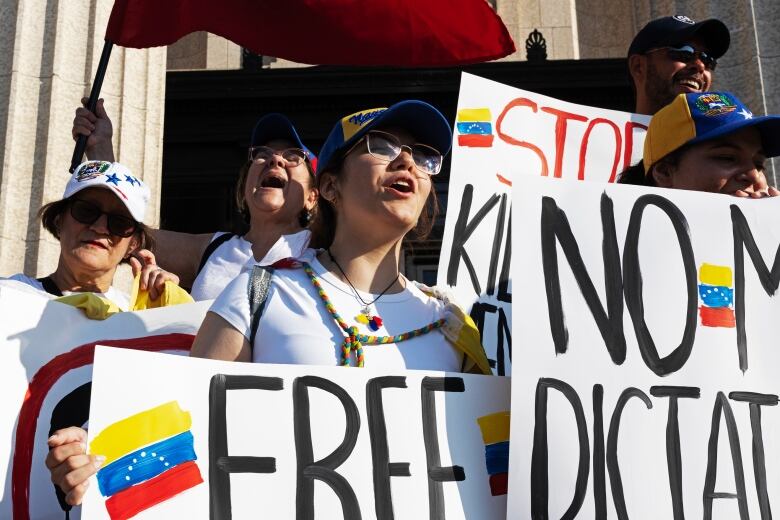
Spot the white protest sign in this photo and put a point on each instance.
(503, 134)
(648, 382)
(45, 367)
(184, 437)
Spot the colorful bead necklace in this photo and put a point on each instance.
(365, 316)
(354, 340)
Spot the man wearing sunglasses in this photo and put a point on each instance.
(674, 55)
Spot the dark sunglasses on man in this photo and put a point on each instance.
(687, 54)
(88, 213)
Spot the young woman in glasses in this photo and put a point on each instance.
(275, 194)
(99, 224)
(346, 302)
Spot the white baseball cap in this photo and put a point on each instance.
(131, 190)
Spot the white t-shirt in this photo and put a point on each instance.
(222, 265)
(116, 296)
(227, 260)
(295, 327)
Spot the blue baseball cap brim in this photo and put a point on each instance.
(421, 120)
(278, 126)
(768, 127)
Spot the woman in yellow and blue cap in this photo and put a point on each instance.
(347, 303)
(708, 142)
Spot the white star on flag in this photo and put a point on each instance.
(746, 114)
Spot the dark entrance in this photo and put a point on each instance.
(209, 116)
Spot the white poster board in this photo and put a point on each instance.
(45, 362)
(503, 134)
(644, 411)
(292, 441)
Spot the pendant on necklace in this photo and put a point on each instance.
(366, 318)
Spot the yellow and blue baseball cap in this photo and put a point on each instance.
(696, 117)
(420, 119)
(278, 126)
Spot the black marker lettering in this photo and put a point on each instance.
(221, 465)
(503, 281)
(461, 235)
(599, 476)
(759, 460)
(673, 450)
(555, 227)
(616, 481)
(380, 454)
(743, 239)
(722, 407)
(539, 470)
(324, 469)
(491, 283)
(436, 473)
(632, 285)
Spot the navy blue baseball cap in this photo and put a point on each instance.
(427, 124)
(278, 126)
(696, 117)
(673, 31)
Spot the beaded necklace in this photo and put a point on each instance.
(354, 340)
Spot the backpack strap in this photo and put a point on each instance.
(49, 286)
(213, 245)
(259, 284)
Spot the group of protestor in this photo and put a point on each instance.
(317, 277)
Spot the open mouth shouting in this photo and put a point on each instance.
(401, 185)
(273, 180)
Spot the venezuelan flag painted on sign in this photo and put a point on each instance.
(475, 128)
(495, 434)
(717, 296)
(150, 458)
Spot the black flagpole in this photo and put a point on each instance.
(81, 142)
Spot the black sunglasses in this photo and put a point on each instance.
(687, 54)
(88, 213)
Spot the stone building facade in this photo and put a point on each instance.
(49, 51)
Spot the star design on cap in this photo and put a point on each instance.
(132, 180)
(746, 113)
(112, 179)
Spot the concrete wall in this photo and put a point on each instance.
(49, 51)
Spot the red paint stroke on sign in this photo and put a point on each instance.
(498, 484)
(717, 317)
(128, 503)
(475, 141)
(503, 179)
(39, 387)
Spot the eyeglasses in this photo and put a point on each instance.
(387, 147)
(88, 213)
(687, 54)
(291, 156)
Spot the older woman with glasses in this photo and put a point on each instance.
(275, 194)
(347, 303)
(99, 224)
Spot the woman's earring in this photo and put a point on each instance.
(304, 218)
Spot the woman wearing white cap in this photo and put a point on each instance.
(348, 303)
(708, 142)
(99, 224)
(275, 194)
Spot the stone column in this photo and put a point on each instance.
(49, 51)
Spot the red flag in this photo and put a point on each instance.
(410, 33)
